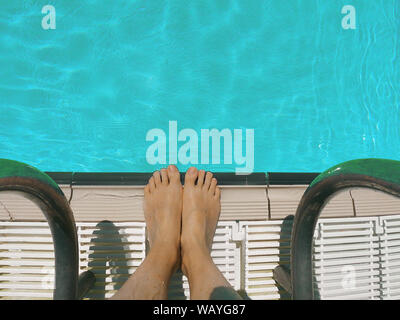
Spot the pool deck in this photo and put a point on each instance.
(252, 238)
(238, 202)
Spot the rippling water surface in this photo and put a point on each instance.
(82, 97)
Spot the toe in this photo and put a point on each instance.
(207, 181)
(217, 193)
(157, 178)
(191, 176)
(213, 185)
(200, 180)
(146, 189)
(164, 176)
(173, 174)
(152, 185)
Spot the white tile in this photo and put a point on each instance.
(369, 202)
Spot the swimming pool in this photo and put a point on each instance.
(82, 97)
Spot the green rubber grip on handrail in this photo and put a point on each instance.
(382, 169)
(12, 168)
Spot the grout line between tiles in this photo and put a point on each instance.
(267, 195)
(71, 194)
(8, 211)
(354, 204)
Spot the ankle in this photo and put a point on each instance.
(169, 257)
(194, 258)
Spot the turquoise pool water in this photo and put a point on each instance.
(83, 96)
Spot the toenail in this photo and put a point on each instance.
(172, 167)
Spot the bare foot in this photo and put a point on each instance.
(201, 209)
(162, 210)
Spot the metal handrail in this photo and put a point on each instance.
(378, 174)
(42, 190)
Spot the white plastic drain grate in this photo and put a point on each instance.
(354, 258)
(390, 251)
(347, 259)
(266, 245)
(112, 251)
